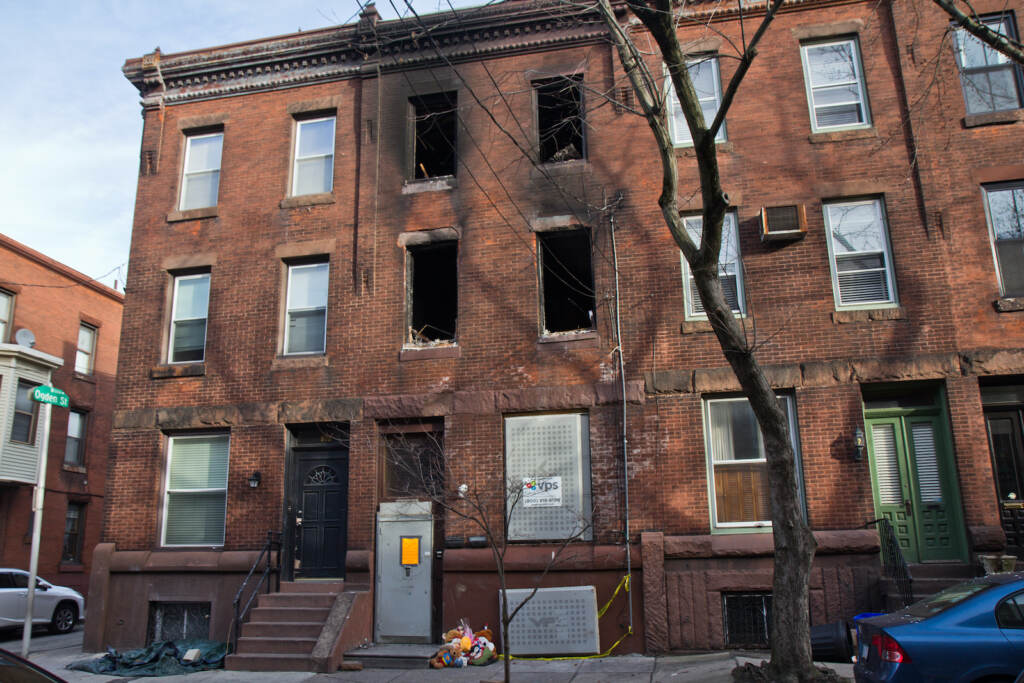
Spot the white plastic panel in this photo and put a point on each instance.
(556, 621)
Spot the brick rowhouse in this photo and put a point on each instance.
(55, 303)
(871, 265)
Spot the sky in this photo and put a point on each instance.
(71, 126)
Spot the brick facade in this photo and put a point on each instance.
(942, 331)
(52, 301)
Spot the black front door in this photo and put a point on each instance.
(319, 507)
(1007, 447)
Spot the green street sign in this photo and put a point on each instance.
(51, 395)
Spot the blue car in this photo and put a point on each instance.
(970, 632)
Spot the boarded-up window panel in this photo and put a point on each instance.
(741, 492)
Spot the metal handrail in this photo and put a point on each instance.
(893, 560)
(272, 568)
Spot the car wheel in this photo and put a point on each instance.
(64, 618)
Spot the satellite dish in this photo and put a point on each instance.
(25, 337)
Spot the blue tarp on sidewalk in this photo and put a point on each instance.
(162, 658)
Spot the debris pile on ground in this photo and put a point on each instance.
(463, 647)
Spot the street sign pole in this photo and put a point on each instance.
(46, 396)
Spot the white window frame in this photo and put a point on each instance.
(789, 404)
(80, 438)
(85, 359)
(297, 159)
(174, 319)
(189, 173)
(24, 385)
(169, 492)
(692, 223)
(289, 310)
(1002, 24)
(1013, 186)
(677, 122)
(7, 302)
(886, 252)
(515, 472)
(859, 81)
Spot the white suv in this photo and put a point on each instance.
(57, 606)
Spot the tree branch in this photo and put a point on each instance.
(972, 24)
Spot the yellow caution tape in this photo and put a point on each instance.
(624, 583)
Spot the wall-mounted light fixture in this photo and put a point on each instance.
(859, 444)
(254, 479)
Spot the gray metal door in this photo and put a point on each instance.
(403, 602)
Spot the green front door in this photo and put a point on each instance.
(914, 484)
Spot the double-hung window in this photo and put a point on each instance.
(859, 253)
(730, 267)
(737, 463)
(72, 551)
(86, 354)
(1004, 204)
(201, 171)
(314, 156)
(834, 79)
(23, 426)
(195, 490)
(990, 80)
(6, 308)
(547, 462)
(74, 446)
(306, 316)
(707, 83)
(188, 318)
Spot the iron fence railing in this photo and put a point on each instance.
(893, 561)
(270, 558)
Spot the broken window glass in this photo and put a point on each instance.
(567, 280)
(560, 118)
(435, 129)
(433, 296)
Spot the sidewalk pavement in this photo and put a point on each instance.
(715, 667)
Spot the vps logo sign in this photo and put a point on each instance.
(542, 492)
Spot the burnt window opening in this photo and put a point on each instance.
(567, 280)
(413, 464)
(178, 621)
(435, 129)
(748, 618)
(433, 292)
(560, 118)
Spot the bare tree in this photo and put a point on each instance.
(419, 467)
(794, 543)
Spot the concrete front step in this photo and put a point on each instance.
(295, 629)
(393, 656)
(268, 662)
(289, 614)
(283, 643)
(296, 599)
(312, 586)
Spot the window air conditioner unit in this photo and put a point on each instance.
(781, 223)
(556, 621)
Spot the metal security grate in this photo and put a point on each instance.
(555, 621)
(748, 618)
(178, 620)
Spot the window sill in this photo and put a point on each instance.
(79, 469)
(91, 379)
(568, 337)
(685, 149)
(430, 352)
(71, 567)
(559, 169)
(307, 200)
(442, 183)
(867, 315)
(1009, 304)
(843, 135)
(192, 214)
(168, 371)
(759, 528)
(294, 362)
(991, 118)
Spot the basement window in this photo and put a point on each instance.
(435, 119)
(747, 619)
(560, 118)
(432, 293)
(567, 280)
(178, 621)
